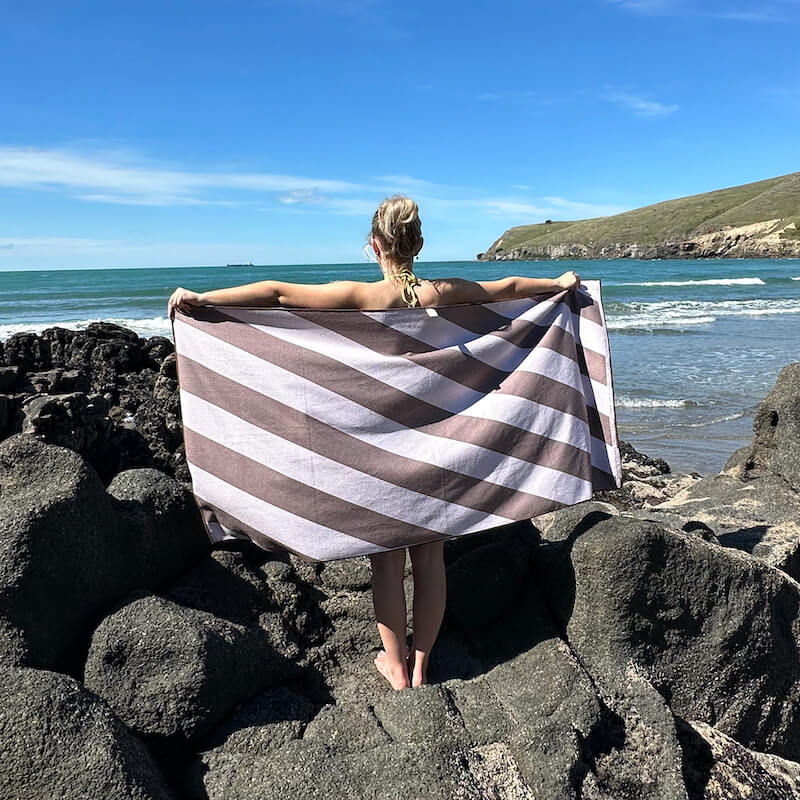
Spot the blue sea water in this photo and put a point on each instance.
(695, 344)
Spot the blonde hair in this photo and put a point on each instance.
(397, 224)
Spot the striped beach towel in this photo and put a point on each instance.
(337, 433)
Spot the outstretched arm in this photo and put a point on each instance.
(458, 290)
(339, 294)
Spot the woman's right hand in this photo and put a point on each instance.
(569, 280)
(183, 299)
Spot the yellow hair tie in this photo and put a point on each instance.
(408, 280)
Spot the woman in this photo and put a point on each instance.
(395, 239)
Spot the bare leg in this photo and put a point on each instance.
(430, 596)
(389, 601)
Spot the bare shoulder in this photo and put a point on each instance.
(452, 291)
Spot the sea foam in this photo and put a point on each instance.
(707, 282)
(152, 326)
(680, 314)
(626, 401)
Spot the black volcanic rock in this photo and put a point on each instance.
(75, 420)
(58, 740)
(64, 553)
(9, 377)
(104, 392)
(173, 673)
(759, 516)
(715, 630)
(28, 351)
(776, 443)
(164, 521)
(69, 549)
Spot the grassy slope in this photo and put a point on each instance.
(673, 219)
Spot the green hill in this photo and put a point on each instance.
(755, 219)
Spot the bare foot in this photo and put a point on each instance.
(396, 675)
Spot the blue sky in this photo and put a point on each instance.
(189, 133)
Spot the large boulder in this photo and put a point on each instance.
(776, 429)
(165, 524)
(173, 673)
(58, 740)
(65, 554)
(716, 631)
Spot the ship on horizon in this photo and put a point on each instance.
(249, 264)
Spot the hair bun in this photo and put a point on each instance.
(397, 224)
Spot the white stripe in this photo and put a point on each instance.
(593, 336)
(296, 533)
(356, 420)
(326, 475)
(445, 334)
(507, 356)
(439, 390)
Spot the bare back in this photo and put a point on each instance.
(440, 292)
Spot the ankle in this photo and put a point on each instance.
(420, 660)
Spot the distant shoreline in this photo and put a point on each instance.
(485, 258)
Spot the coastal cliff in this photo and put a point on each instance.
(642, 644)
(756, 220)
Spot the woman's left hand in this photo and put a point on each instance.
(183, 299)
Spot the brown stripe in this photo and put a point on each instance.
(403, 408)
(299, 498)
(558, 396)
(479, 376)
(482, 320)
(490, 318)
(457, 365)
(471, 372)
(456, 362)
(312, 434)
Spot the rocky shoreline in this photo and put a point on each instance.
(645, 644)
(758, 240)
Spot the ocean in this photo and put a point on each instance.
(695, 344)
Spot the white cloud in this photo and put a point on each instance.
(152, 200)
(113, 178)
(300, 196)
(57, 243)
(548, 208)
(641, 106)
(775, 11)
